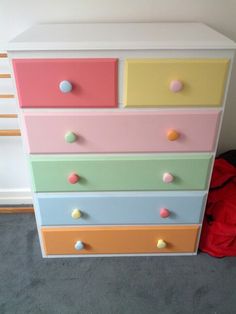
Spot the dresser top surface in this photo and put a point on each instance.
(117, 36)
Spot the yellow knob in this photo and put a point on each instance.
(161, 244)
(76, 213)
(172, 135)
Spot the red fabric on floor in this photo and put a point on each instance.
(218, 236)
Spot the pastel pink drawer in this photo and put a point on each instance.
(122, 131)
(84, 83)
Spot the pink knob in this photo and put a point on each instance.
(164, 213)
(176, 86)
(73, 178)
(167, 177)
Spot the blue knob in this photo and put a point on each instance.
(79, 245)
(65, 86)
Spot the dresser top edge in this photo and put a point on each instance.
(119, 36)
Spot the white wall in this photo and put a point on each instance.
(17, 15)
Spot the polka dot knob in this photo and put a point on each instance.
(79, 245)
(70, 137)
(73, 178)
(176, 86)
(65, 86)
(172, 135)
(164, 213)
(161, 244)
(76, 213)
(167, 177)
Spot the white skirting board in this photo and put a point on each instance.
(15, 197)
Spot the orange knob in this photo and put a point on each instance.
(172, 135)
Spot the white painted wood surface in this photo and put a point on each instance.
(122, 36)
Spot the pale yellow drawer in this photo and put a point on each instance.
(148, 82)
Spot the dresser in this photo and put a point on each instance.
(120, 124)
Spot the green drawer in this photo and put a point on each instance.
(120, 172)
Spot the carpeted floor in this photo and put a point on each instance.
(139, 285)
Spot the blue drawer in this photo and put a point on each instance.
(115, 208)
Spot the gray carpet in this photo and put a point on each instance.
(139, 285)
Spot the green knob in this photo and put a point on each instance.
(70, 137)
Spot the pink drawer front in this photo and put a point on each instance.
(93, 82)
(122, 131)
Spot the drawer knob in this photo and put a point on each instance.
(79, 245)
(172, 135)
(65, 86)
(176, 86)
(70, 137)
(167, 177)
(76, 213)
(161, 244)
(73, 178)
(164, 213)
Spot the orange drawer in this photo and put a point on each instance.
(119, 240)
